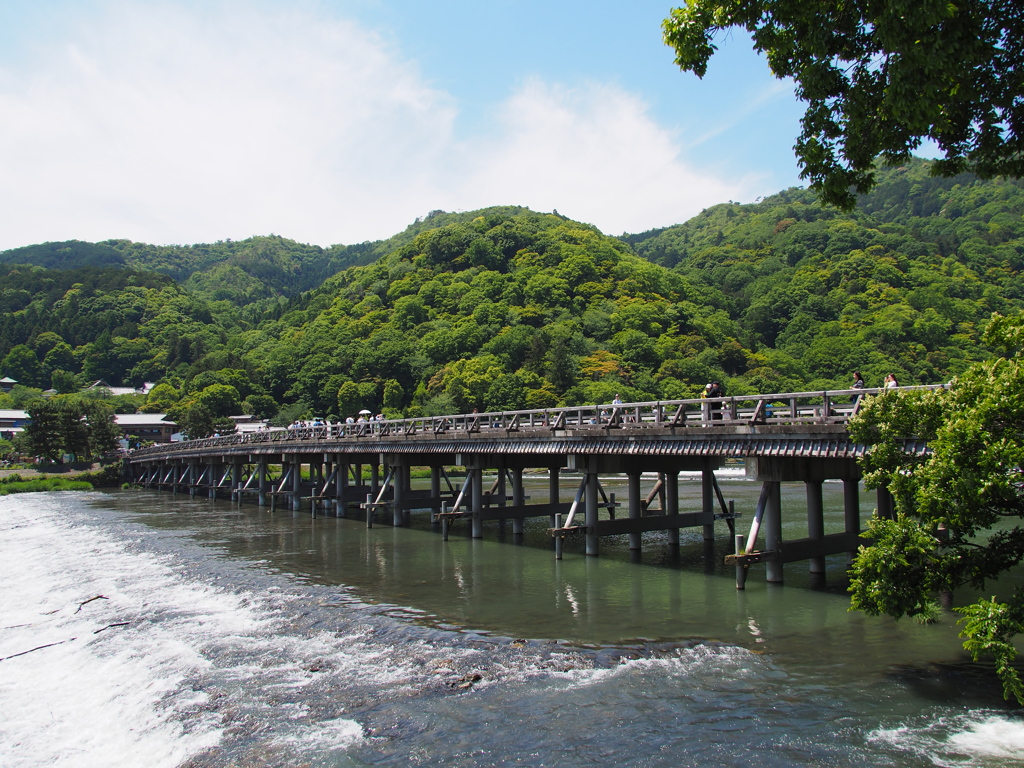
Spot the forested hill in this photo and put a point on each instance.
(257, 270)
(508, 308)
(900, 284)
(511, 309)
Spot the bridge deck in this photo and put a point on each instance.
(803, 424)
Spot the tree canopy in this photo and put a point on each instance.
(879, 76)
(959, 509)
(68, 424)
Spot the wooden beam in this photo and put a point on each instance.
(652, 523)
(514, 513)
(832, 544)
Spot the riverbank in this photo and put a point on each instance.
(17, 484)
(60, 477)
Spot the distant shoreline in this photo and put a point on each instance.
(99, 475)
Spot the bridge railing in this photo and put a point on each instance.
(828, 407)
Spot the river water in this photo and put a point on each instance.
(139, 628)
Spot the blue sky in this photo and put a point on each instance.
(338, 121)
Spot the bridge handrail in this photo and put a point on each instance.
(833, 407)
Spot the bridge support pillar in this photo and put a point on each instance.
(672, 505)
(316, 481)
(297, 484)
(321, 489)
(399, 484)
(263, 469)
(591, 513)
(193, 476)
(236, 478)
(500, 492)
(633, 478)
(707, 495)
(340, 486)
(518, 500)
(435, 482)
(773, 530)
(553, 491)
(215, 470)
(476, 500)
(851, 508)
(435, 495)
(815, 520)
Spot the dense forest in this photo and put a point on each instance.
(507, 308)
(900, 285)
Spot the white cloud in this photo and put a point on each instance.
(594, 154)
(160, 124)
(163, 123)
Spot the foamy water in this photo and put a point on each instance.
(968, 740)
(115, 655)
(99, 644)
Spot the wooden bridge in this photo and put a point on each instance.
(791, 437)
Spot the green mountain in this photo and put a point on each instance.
(90, 323)
(501, 308)
(257, 270)
(71, 254)
(508, 308)
(260, 270)
(901, 285)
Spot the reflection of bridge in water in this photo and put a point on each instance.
(798, 437)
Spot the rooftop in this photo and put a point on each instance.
(141, 419)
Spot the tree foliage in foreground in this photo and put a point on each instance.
(880, 75)
(959, 509)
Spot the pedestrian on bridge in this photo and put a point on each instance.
(858, 383)
(715, 389)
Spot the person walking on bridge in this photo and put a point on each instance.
(858, 383)
(713, 390)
